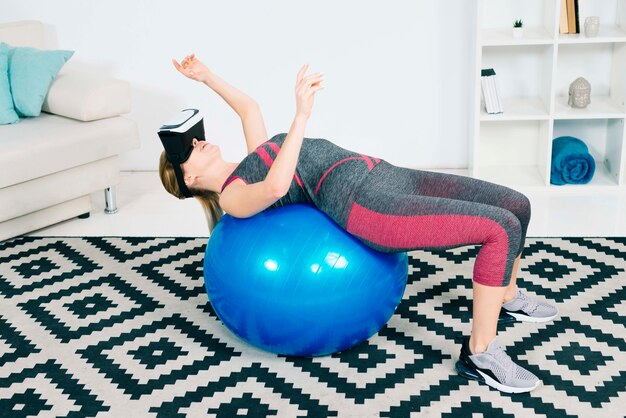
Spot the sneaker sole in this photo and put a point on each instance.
(506, 317)
(526, 318)
(507, 389)
(483, 378)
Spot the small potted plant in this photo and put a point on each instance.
(518, 29)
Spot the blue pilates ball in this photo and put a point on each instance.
(291, 281)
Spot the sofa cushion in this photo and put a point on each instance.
(31, 71)
(87, 97)
(39, 146)
(25, 33)
(7, 112)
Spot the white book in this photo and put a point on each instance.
(496, 94)
(486, 95)
(490, 88)
(490, 102)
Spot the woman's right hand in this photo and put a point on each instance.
(306, 87)
(191, 67)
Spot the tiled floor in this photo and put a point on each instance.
(145, 209)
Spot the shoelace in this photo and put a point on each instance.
(502, 357)
(529, 306)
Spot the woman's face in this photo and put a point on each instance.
(203, 156)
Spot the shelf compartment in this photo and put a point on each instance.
(513, 153)
(518, 108)
(523, 78)
(497, 17)
(601, 107)
(604, 139)
(612, 14)
(600, 64)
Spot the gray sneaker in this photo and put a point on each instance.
(523, 308)
(495, 368)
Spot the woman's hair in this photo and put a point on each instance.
(208, 199)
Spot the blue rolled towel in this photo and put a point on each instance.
(571, 161)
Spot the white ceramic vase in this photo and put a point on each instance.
(592, 26)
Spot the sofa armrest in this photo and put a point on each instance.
(85, 97)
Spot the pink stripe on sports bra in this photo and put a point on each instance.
(276, 149)
(230, 180)
(264, 156)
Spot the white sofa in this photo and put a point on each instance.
(49, 165)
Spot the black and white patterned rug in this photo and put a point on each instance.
(122, 327)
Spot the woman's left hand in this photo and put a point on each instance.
(191, 67)
(306, 87)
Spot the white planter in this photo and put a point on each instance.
(518, 33)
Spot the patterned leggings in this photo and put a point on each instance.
(401, 209)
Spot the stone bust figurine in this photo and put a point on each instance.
(579, 93)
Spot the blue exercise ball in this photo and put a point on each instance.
(291, 281)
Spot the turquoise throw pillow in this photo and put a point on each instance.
(31, 71)
(7, 112)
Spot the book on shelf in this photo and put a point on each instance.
(486, 93)
(563, 22)
(573, 25)
(576, 17)
(493, 104)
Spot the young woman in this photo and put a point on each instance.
(389, 208)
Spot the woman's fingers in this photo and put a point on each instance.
(189, 59)
(310, 80)
(315, 79)
(185, 63)
(301, 72)
(314, 90)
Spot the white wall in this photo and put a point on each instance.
(398, 73)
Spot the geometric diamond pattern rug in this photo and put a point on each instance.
(122, 327)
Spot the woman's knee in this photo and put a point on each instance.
(512, 225)
(519, 204)
(495, 259)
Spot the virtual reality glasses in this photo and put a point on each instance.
(177, 138)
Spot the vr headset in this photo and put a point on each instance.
(177, 138)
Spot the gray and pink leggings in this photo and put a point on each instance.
(401, 209)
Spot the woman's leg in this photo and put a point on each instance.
(433, 184)
(487, 302)
(393, 223)
(512, 287)
(389, 221)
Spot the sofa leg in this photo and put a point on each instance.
(110, 204)
(84, 215)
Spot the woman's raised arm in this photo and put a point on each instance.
(246, 108)
(243, 200)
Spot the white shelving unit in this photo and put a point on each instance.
(533, 75)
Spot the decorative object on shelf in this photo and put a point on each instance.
(571, 162)
(493, 104)
(518, 29)
(579, 93)
(592, 26)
